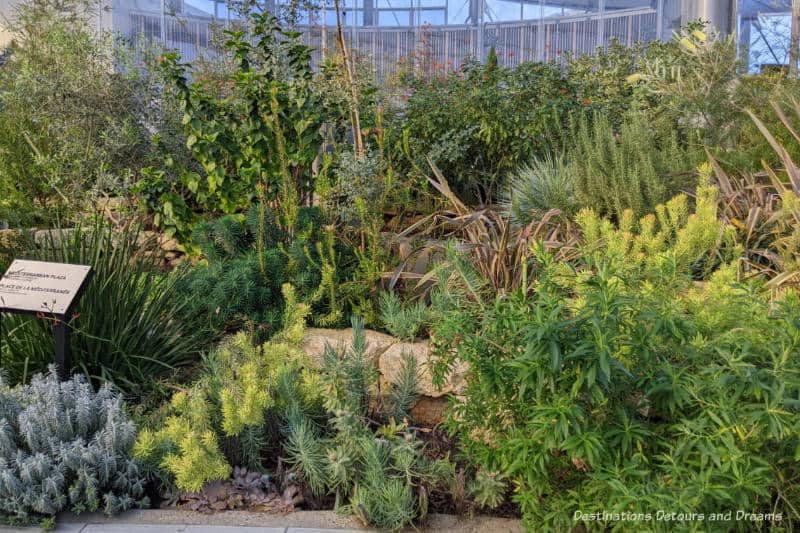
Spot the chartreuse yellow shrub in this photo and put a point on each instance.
(187, 445)
(238, 389)
(673, 233)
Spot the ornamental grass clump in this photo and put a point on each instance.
(65, 447)
(132, 326)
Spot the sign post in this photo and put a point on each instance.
(47, 290)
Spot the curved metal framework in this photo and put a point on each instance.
(447, 32)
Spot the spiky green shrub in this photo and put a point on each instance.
(132, 325)
(380, 474)
(64, 446)
(621, 384)
(404, 321)
(636, 167)
(249, 257)
(537, 187)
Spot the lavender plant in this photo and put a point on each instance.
(64, 446)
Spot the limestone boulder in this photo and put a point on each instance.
(391, 364)
(316, 339)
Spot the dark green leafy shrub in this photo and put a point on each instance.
(131, 326)
(621, 385)
(254, 141)
(64, 447)
(607, 80)
(481, 122)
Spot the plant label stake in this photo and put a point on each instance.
(47, 290)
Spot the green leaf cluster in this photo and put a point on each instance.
(622, 384)
(255, 140)
(404, 321)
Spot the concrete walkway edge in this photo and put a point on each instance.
(178, 521)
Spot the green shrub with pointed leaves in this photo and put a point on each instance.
(623, 384)
(248, 257)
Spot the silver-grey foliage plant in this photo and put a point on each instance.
(65, 447)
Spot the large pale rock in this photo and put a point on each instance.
(316, 338)
(391, 363)
(388, 354)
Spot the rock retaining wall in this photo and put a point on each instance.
(168, 249)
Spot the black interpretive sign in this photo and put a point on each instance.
(49, 291)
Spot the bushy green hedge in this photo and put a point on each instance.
(623, 385)
(481, 122)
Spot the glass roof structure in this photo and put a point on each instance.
(450, 31)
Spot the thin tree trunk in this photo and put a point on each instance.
(794, 41)
(355, 117)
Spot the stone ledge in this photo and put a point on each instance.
(169, 249)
